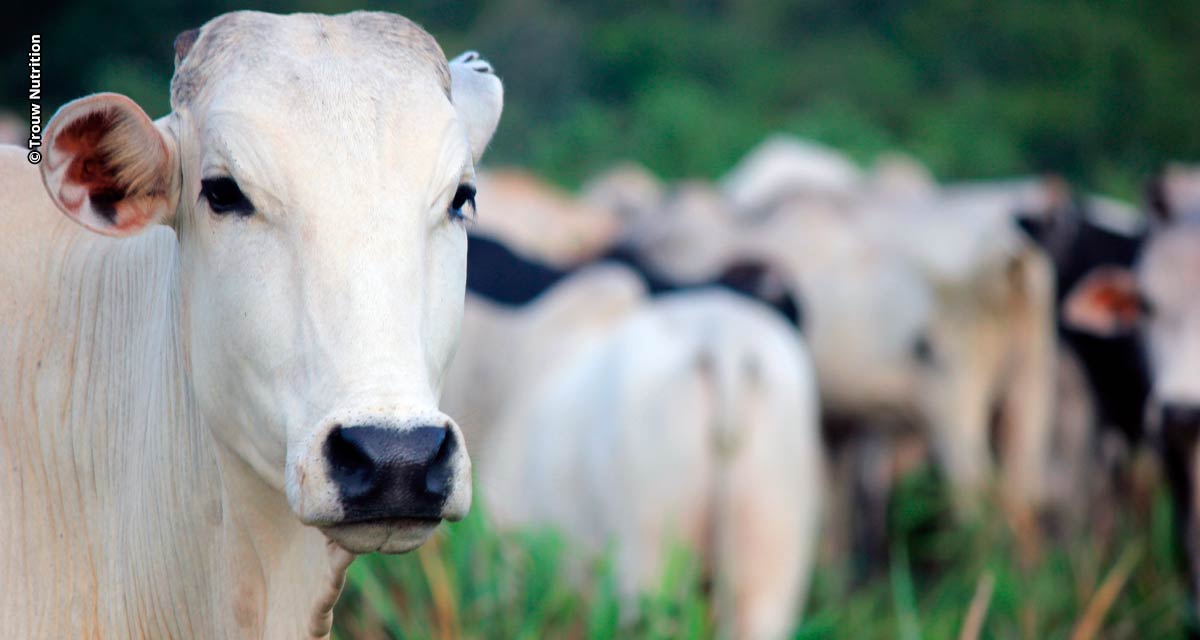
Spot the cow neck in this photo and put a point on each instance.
(110, 456)
(185, 540)
(284, 577)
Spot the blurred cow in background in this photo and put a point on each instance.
(1083, 233)
(539, 220)
(991, 338)
(929, 310)
(628, 190)
(633, 421)
(1157, 297)
(922, 308)
(786, 168)
(1103, 379)
(546, 234)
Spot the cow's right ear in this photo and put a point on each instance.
(1105, 303)
(108, 167)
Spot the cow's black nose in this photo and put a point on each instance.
(1181, 416)
(385, 473)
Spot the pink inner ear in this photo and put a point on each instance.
(136, 212)
(1120, 303)
(91, 170)
(1104, 303)
(71, 197)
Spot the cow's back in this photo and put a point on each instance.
(643, 427)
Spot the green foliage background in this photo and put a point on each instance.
(1099, 90)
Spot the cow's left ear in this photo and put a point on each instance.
(478, 97)
(109, 167)
(1105, 303)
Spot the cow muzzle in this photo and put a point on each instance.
(384, 473)
(374, 485)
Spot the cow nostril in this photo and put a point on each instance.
(1181, 416)
(437, 478)
(349, 465)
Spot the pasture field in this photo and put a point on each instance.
(472, 582)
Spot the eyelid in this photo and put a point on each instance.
(467, 191)
(240, 206)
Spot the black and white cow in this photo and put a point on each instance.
(1156, 299)
(1083, 234)
(503, 276)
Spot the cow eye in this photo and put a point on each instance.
(922, 350)
(224, 196)
(465, 195)
(1145, 306)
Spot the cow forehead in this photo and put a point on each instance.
(388, 51)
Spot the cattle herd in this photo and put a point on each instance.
(204, 417)
(1029, 336)
(624, 353)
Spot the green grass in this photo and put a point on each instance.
(473, 582)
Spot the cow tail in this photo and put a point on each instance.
(732, 382)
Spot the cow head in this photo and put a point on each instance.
(1049, 214)
(1157, 298)
(316, 171)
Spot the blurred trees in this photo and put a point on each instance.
(1101, 90)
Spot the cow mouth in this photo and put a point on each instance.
(385, 535)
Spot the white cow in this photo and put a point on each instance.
(628, 190)
(992, 334)
(784, 167)
(618, 420)
(220, 370)
(921, 306)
